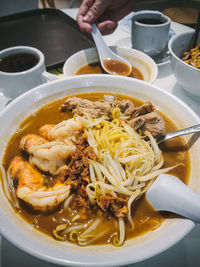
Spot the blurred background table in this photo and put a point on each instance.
(186, 252)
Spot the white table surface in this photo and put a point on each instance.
(186, 253)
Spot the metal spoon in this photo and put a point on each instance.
(189, 130)
(105, 53)
(168, 193)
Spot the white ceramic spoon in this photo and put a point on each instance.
(168, 193)
(105, 53)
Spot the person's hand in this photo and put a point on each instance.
(105, 13)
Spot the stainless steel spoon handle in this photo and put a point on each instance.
(189, 130)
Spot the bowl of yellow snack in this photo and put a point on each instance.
(185, 62)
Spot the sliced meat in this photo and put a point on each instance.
(84, 107)
(142, 110)
(126, 106)
(89, 113)
(141, 118)
(151, 122)
(75, 102)
(116, 205)
(96, 109)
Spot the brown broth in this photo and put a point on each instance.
(116, 67)
(144, 217)
(96, 68)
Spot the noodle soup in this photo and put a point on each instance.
(95, 206)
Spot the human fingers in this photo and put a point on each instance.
(96, 10)
(84, 26)
(85, 6)
(107, 27)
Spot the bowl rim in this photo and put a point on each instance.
(152, 63)
(187, 225)
(170, 44)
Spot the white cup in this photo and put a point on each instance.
(150, 31)
(13, 84)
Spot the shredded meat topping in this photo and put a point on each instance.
(76, 174)
(116, 205)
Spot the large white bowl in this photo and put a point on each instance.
(187, 75)
(14, 228)
(137, 59)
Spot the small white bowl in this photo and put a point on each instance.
(186, 75)
(138, 59)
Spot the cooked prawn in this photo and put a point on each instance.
(44, 130)
(30, 186)
(49, 153)
(31, 140)
(47, 156)
(65, 130)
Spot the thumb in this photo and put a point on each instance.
(96, 10)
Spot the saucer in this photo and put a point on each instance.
(3, 100)
(164, 57)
